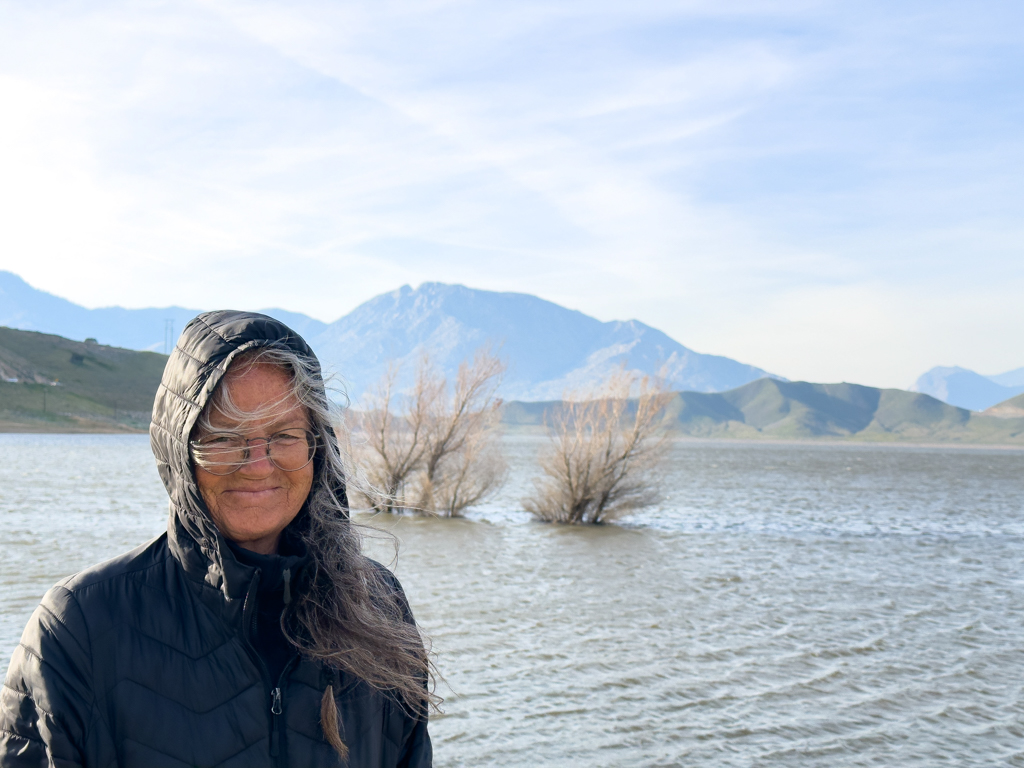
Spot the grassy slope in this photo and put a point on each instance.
(1008, 409)
(111, 389)
(771, 409)
(101, 388)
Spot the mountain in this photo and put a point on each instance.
(549, 349)
(53, 384)
(49, 383)
(1010, 378)
(26, 308)
(785, 410)
(304, 325)
(967, 389)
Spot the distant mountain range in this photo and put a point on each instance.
(52, 384)
(29, 309)
(967, 389)
(549, 349)
(787, 410)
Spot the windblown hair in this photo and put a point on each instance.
(350, 613)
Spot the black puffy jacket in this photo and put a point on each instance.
(148, 660)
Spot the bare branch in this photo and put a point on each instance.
(605, 451)
(438, 451)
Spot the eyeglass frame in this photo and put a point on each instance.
(312, 443)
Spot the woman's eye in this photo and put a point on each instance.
(221, 441)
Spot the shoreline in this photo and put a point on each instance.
(21, 428)
(847, 442)
(539, 431)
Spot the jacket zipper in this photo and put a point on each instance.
(249, 616)
(277, 709)
(276, 696)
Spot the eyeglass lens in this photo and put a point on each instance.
(224, 453)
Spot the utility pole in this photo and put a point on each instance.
(44, 398)
(168, 335)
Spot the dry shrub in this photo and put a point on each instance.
(605, 453)
(435, 449)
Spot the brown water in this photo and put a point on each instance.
(826, 605)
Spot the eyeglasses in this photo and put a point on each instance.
(221, 453)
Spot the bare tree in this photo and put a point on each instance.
(395, 436)
(468, 476)
(435, 449)
(605, 453)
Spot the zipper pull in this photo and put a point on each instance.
(287, 585)
(275, 701)
(275, 708)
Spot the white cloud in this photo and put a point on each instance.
(753, 180)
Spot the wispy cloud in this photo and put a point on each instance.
(727, 174)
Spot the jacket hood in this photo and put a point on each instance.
(203, 353)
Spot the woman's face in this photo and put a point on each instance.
(253, 504)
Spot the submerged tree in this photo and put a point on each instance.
(392, 436)
(605, 453)
(434, 449)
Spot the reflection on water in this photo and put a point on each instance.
(786, 605)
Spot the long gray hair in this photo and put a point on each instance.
(350, 615)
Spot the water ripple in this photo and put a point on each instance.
(785, 606)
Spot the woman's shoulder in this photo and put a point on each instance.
(383, 572)
(59, 630)
(392, 588)
(116, 574)
(142, 591)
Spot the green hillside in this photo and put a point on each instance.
(63, 385)
(1008, 409)
(71, 386)
(797, 410)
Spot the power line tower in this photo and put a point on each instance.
(168, 335)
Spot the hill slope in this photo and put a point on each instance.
(785, 410)
(55, 384)
(1008, 409)
(549, 348)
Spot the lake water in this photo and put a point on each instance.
(786, 605)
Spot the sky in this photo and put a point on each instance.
(830, 191)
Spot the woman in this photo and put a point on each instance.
(253, 632)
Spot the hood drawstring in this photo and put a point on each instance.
(287, 574)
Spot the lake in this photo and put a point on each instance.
(785, 605)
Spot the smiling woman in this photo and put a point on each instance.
(254, 632)
(253, 492)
